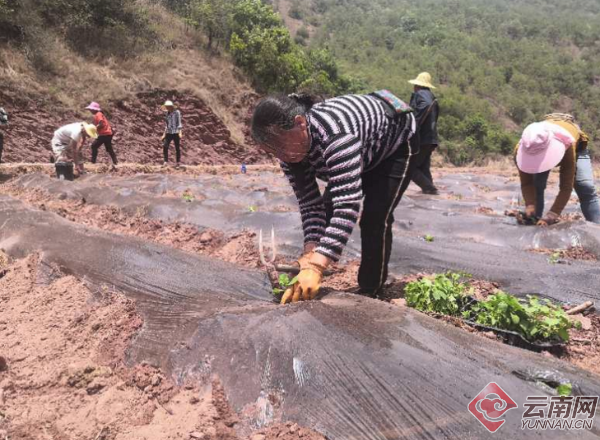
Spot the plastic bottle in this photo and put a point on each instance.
(244, 168)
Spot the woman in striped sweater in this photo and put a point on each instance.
(357, 144)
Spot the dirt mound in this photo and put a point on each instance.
(63, 371)
(65, 347)
(239, 248)
(288, 431)
(577, 253)
(138, 124)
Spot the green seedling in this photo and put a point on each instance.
(188, 196)
(462, 274)
(564, 389)
(443, 294)
(534, 318)
(252, 208)
(284, 283)
(554, 258)
(428, 238)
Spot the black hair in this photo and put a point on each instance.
(278, 111)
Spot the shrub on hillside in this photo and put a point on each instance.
(108, 27)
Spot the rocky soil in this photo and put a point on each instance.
(138, 124)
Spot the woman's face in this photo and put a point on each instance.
(291, 145)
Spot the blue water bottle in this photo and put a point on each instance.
(244, 168)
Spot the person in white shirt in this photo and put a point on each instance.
(68, 141)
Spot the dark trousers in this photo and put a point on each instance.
(422, 168)
(383, 188)
(107, 142)
(175, 138)
(1, 145)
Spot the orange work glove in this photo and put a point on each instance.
(307, 287)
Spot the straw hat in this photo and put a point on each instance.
(94, 106)
(168, 104)
(423, 80)
(91, 130)
(542, 147)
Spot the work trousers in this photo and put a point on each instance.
(584, 187)
(105, 140)
(167, 142)
(421, 174)
(383, 188)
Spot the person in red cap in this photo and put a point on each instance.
(556, 142)
(105, 133)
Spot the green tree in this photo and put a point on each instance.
(213, 17)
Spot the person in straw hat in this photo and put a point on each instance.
(559, 142)
(105, 133)
(3, 122)
(173, 131)
(426, 110)
(67, 143)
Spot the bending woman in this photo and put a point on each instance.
(556, 142)
(357, 144)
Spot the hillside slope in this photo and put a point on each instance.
(214, 96)
(500, 64)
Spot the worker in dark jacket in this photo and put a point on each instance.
(426, 110)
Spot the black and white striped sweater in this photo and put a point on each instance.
(350, 135)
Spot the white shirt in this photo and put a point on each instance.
(68, 133)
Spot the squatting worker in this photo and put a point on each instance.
(3, 123)
(105, 133)
(67, 144)
(426, 107)
(358, 145)
(173, 131)
(556, 141)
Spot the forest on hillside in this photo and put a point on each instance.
(499, 64)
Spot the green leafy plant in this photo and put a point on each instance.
(188, 196)
(284, 283)
(535, 319)
(429, 238)
(554, 258)
(564, 389)
(443, 294)
(252, 208)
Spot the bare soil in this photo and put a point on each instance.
(583, 349)
(485, 210)
(63, 371)
(577, 253)
(138, 124)
(239, 248)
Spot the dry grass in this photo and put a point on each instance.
(180, 63)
